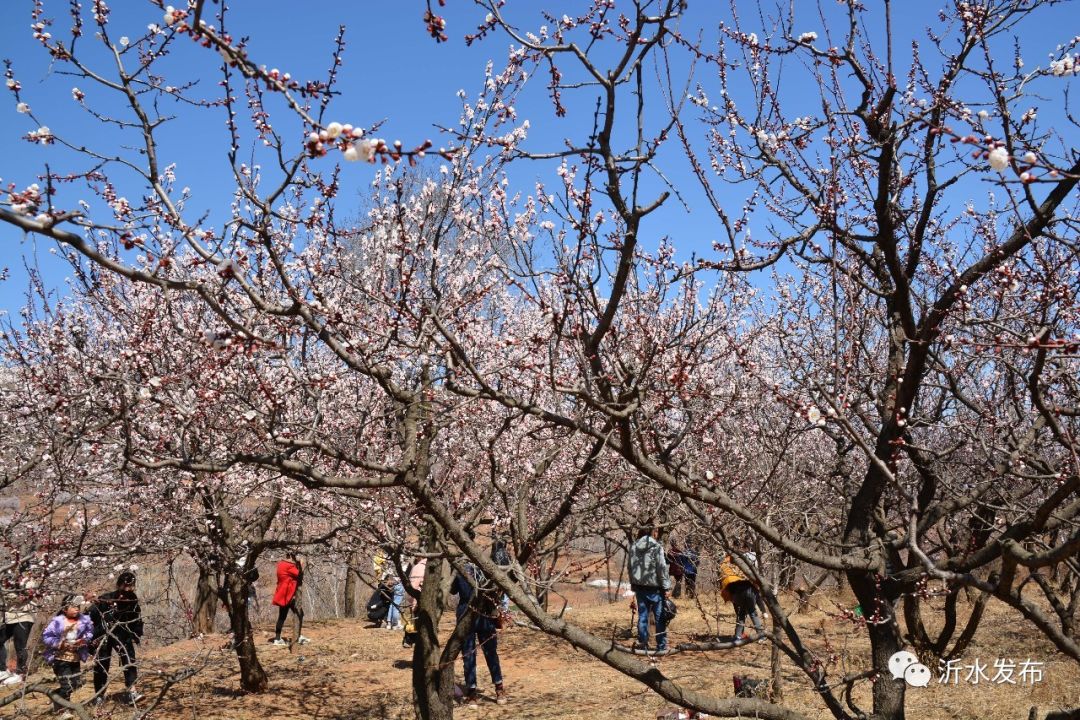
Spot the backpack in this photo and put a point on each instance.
(500, 554)
(486, 594)
(747, 687)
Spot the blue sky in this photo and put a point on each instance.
(392, 71)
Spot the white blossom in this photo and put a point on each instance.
(228, 266)
(813, 414)
(999, 159)
(22, 107)
(1030, 158)
(365, 149)
(1065, 66)
(808, 37)
(333, 129)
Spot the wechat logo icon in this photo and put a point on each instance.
(905, 665)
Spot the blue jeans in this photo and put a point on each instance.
(393, 614)
(485, 633)
(650, 600)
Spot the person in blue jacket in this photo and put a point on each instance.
(688, 559)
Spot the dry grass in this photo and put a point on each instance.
(352, 672)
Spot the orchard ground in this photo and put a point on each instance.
(351, 671)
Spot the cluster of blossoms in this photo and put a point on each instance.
(121, 206)
(228, 268)
(1068, 65)
(42, 135)
(40, 32)
(15, 86)
(350, 140)
(808, 37)
(27, 201)
(173, 16)
(233, 55)
(998, 159)
(275, 74)
(436, 25)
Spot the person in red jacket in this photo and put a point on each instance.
(290, 576)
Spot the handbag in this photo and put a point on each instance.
(670, 610)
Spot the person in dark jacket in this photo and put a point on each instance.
(687, 558)
(118, 627)
(675, 569)
(475, 592)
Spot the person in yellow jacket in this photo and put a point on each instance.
(742, 593)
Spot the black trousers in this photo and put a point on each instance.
(283, 612)
(19, 634)
(70, 676)
(125, 649)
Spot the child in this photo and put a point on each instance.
(67, 644)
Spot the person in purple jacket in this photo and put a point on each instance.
(67, 640)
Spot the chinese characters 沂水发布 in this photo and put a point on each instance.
(1004, 671)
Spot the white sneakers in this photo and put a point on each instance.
(299, 641)
(12, 679)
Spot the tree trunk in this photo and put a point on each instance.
(777, 690)
(204, 609)
(885, 641)
(432, 676)
(252, 676)
(352, 607)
